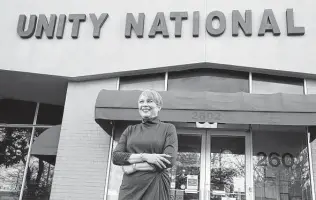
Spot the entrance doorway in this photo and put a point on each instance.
(212, 165)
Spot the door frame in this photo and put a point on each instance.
(203, 134)
(205, 172)
(248, 156)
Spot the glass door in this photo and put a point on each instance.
(188, 174)
(228, 167)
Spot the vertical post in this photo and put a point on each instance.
(166, 81)
(305, 87)
(109, 163)
(250, 82)
(107, 179)
(118, 83)
(251, 148)
(207, 165)
(29, 152)
(249, 176)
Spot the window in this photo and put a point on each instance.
(266, 84)
(50, 114)
(16, 111)
(142, 82)
(116, 172)
(281, 163)
(14, 146)
(16, 129)
(39, 174)
(211, 80)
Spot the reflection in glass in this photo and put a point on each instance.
(228, 170)
(14, 145)
(281, 163)
(212, 80)
(39, 174)
(142, 82)
(116, 172)
(185, 175)
(266, 84)
(188, 164)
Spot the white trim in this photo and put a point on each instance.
(311, 165)
(305, 87)
(248, 159)
(118, 83)
(36, 113)
(190, 131)
(166, 81)
(249, 166)
(252, 163)
(227, 133)
(107, 179)
(208, 174)
(25, 126)
(250, 82)
(29, 153)
(203, 166)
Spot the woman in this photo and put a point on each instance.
(146, 151)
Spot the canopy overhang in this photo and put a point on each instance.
(45, 145)
(230, 108)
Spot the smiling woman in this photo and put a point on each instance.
(146, 151)
(149, 104)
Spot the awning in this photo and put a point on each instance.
(46, 144)
(232, 108)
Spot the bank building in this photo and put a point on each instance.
(238, 80)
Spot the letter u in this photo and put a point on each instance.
(30, 29)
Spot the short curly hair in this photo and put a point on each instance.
(154, 95)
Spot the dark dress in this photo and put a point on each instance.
(151, 136)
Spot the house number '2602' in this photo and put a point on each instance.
(206, 116)
(274, 159)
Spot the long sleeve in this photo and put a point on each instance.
(171, 145)
(120, 155)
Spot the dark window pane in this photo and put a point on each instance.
(16, 111)
(212, 80)
(266, 84)
(50, 114)
(14, 145)
(40, 174)
(313, 136)
(142, 82)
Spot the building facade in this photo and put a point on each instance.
(238, 80)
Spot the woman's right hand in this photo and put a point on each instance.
(157, 159)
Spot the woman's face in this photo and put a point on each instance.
(147, 107)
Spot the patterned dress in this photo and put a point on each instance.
(151, 136)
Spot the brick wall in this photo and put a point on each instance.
(82, 157)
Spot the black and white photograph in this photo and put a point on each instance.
(158, 100)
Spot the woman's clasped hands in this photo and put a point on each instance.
(160, 160)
